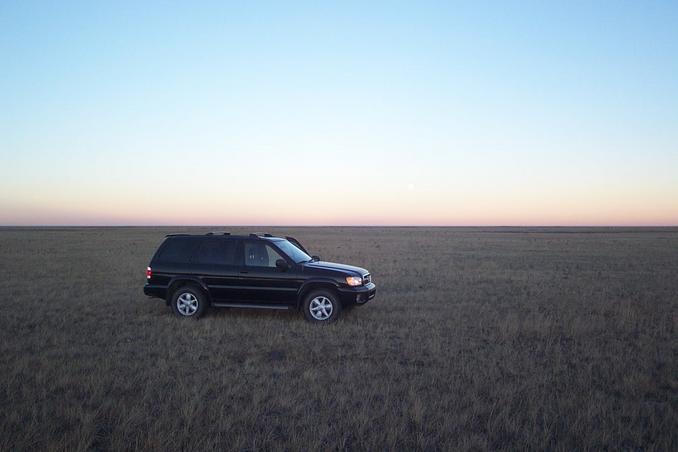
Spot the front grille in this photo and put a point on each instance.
(367, 279)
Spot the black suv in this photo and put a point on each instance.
(192, 272)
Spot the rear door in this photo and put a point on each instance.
(218, 261)
(262, 281)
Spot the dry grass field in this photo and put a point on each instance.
(555, 339)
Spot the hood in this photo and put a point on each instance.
(335, 266)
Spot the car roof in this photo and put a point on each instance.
(229, 235)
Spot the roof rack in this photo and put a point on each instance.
(227, 233)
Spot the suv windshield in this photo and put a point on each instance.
(292, 251)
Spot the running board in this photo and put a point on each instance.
(250, 305)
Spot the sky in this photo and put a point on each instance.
(350, 113)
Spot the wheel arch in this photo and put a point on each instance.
(315, 284)
(181, 281)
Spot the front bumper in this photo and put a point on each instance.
(358, 295)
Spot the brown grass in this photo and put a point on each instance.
(478, 339)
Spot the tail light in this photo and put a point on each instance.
(149, 272)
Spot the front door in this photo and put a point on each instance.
(261, 280)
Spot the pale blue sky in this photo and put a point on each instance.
(438, 113)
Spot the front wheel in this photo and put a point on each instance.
(322, 306)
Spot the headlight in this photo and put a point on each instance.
(354, 281)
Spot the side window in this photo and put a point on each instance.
(258, 254)
(178, 250)
(216, 251)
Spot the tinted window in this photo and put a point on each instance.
(259, 254)
(178, 250)
(216, 252)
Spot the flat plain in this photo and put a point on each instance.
(479, 338)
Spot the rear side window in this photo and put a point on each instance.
(198, 250)
(177, 250)
(216, 252)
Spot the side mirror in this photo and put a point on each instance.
(315, 258)
(282, 265)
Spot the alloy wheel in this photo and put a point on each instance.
(321, 308)
(187, 304)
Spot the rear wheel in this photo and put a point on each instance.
(322, 306)
(189, 301)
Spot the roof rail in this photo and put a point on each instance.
(254, 236)
(176, 235)
(268, 235)
(227, 233)
(210, 233)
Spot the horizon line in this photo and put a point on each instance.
(336, 226)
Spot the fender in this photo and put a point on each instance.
(191, 278)
(307, 285)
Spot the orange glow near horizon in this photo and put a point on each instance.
(409, 210)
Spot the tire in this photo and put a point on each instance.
(322, 306)
(189, 302)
